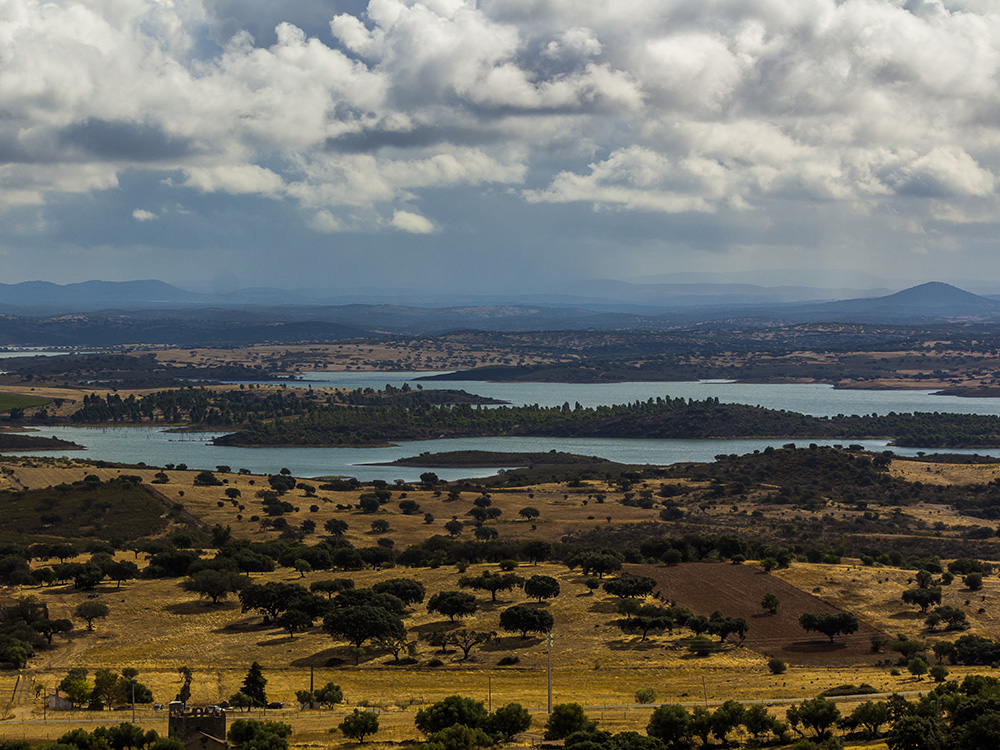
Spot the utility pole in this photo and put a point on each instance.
(548, 642)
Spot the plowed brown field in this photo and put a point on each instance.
(736, 591)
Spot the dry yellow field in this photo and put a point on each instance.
(940, 473)
(564, 510)
(874, 593)
(156, 627)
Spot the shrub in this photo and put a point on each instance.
(776, 665)
(565, 719)
(645, 695)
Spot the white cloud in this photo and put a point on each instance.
(234, 178)
(326, 222)
(141, 214)
(664, 107)
(407, 221)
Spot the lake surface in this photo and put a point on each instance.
(154, 446)
(815, 399)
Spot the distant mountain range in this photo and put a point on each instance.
(597, 295)
(102, 313)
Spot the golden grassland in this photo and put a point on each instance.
(941, 473)
(874, 594)
(156, 627)
(564, 509)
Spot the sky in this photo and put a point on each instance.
(498, 145)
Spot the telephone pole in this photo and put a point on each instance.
(548, 642)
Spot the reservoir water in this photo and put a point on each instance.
(154, 446)
(817, 400)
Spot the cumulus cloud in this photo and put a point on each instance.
(352, 109)
(141, 214)
(407, 221)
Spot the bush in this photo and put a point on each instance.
(645, 695)
(565, 719)
(359, 725)
(776, 665)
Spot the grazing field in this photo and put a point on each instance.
(155, 626)
(10, 401)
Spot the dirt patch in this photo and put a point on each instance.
(737, 590)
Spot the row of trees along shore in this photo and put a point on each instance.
(366, 417)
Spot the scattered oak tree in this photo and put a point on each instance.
(830, 625)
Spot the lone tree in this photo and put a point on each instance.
(90, 611)
(526, 620)
(770, 603)
(830, 625)
(363, 623)
(528, 513)
(329, 695)
(336, 527)
(453, 604)
(467, 639)
(922, 597)
(541, 587)
(359, 724)
(254, 685)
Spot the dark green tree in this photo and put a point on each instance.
(670, 724)
(255, 685)
(565, 719)
(524, 620)
(407, 590)
(214, 584)
(91, 610)
(817, 714)
(830, 624)
(359, 724)
(362, 623)
(541, 587)
(455, 709)
(453, 604)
